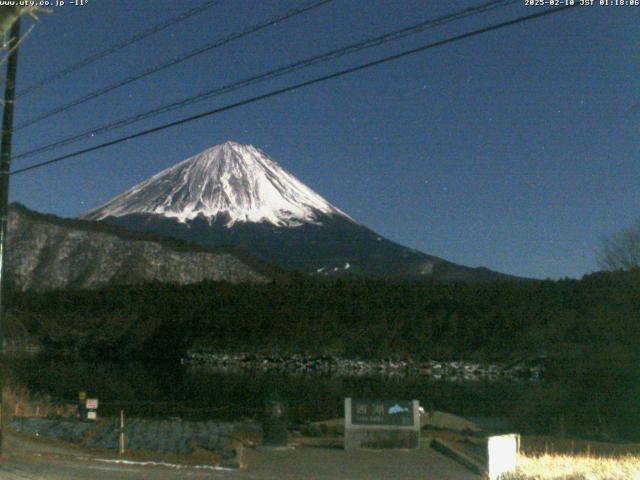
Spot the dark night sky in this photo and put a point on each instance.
(517, 150)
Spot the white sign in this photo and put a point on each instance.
(92, 403)
(503, 454)
(91, 415)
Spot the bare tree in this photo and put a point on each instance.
(9, 14)
(621, 251)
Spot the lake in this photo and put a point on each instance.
(152, 390)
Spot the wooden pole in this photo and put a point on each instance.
(5, 169)
(121, 440)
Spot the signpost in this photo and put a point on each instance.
(381, 423)
(91, 405)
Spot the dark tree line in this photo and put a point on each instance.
(350, 317)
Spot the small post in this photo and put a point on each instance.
(274, 423)
(82, 407)
(502, 454)
(121, 439)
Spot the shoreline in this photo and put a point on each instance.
(344, 367)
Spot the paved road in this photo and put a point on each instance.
(66, 469)
(32, 461)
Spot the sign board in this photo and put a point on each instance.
(381, 423)
(92, 404)
(82, 395)
(92, 415)
(502, 454)
(382, 412)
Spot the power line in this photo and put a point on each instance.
(298, 86)
(175, 61)
(118, 46)
(278, 72)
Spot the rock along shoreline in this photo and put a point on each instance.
(344, 367)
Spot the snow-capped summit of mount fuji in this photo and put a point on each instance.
(234, 182)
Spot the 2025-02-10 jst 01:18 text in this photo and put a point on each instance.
(582, 3)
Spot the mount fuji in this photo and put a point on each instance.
(234, 194)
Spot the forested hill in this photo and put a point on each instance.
(46, 252)
(350, 317)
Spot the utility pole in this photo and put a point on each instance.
(5, 171)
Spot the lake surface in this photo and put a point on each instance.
(200, 392)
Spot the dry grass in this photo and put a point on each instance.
(19, 402)
(537, 445)
(576, 467)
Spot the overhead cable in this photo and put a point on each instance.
(297, 86)
(173, 62)
(118, 46)
(269, 75)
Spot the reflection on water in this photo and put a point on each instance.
(170, 389)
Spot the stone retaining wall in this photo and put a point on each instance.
(165, 436)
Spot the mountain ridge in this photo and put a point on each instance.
(233, 194)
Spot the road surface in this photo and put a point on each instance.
(27, 459)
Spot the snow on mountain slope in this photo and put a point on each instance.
(237, 181)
